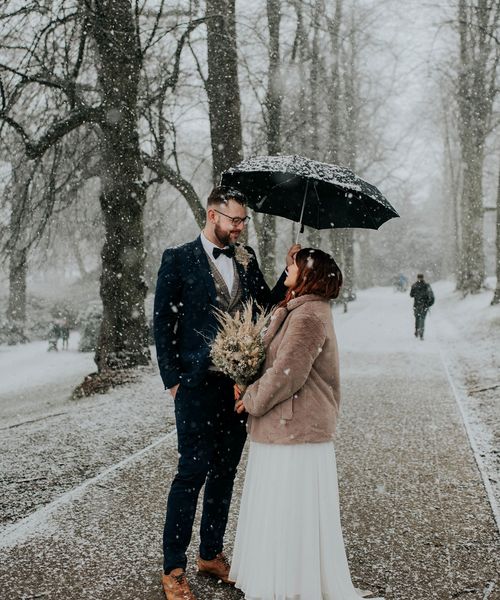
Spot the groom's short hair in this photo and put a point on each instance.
(221, 194)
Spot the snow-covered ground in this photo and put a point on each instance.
(465, 332)
(34, 381)
(51, 444)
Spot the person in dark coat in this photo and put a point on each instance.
(65, 333)
(423, 299)
(211, 271)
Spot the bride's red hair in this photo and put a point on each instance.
(318, 274)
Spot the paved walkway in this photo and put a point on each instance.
(417, 521)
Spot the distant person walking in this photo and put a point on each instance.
(423, 299)
(64, 328)
(54, 335)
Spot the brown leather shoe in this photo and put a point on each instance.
(176, 587)
(217, 567)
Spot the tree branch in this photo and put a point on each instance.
(175, 179)
(56, 131)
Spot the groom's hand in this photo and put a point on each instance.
(173, 390)
(291, 254)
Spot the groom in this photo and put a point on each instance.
(193, 278)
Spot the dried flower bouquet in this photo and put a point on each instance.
(238, 349)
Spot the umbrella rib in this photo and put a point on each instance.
(319, 204)
(261, 202)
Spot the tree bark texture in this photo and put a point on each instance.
(475, 94)
(334, 100)
(222, 86)
(265, 226)
(18, 269)
(496, 296)
(18, 250)
(301, 142)
(349, 152)
(471, 270)
(314, 84)
(123, 338)
(274, 96)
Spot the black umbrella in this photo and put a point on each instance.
(312, 193)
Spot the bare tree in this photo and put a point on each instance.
(88, 56)
(496, 296)
(478, 24)
(352, 96)
(222, 86)
(17, 194)
(334, 98)
(266, 226)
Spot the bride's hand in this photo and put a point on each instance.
(239, 407)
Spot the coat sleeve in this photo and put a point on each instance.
(301, 344)
(265, 296)
(166, 313)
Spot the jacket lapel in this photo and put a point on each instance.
(243, 281)
(205, 273)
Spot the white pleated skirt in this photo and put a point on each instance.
(289, 543)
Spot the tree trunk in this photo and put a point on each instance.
(18, 251)
(334, 97)
(314, 85)
(475, 95)
(350, 142)
(123, 340)
(222, 87)
(496, 297)
(471, 271)
(301, 141)
(452, 204)
(348, 262)
(18, 269)
(274, 97)
(313, 235)
(265, 227)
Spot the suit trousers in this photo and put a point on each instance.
(211, 436)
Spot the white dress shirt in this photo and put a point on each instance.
(223, 263)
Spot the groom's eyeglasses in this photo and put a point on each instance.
(235, 220)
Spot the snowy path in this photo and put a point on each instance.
(417, 520)
(461, 336)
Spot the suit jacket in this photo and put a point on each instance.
(184, 320)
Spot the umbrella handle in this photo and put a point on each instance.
(301, 230)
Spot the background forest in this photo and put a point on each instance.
(118, 116)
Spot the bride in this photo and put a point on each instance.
(289, 543)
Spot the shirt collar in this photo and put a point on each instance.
(208, 246)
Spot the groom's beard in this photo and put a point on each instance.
(226, 238)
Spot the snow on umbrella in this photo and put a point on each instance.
(313, 193)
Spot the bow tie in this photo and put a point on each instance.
(229, 252)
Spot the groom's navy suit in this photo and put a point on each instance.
(211, 435)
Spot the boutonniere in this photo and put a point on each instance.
(242, 256)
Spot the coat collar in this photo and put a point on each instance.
(281, 313)
(296, 302)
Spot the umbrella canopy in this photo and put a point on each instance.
(313, 193)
